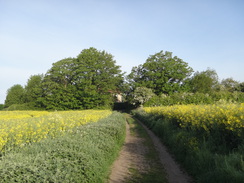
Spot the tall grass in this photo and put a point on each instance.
(83, 155)
(199, 153)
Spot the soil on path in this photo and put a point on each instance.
(133, 156)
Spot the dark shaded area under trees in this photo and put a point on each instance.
(93, 80)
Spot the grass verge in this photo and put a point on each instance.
(84, 155)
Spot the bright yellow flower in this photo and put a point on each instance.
(22, 127)
(229, 116)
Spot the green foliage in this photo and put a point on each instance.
(229, 84)
(88, 81)
(99, 77)
(198, 154)
(33, 90)
(204, 82)
(241, 87)
(196, 98)
(92, 79)
(15, 95)
(162, 73)
(58, 87)
(141, 95)
(84, 82)
(83, 155)
(21, 107)
(1, 106)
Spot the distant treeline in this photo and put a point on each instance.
(93, 80)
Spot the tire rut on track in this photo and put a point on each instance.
(132, 155)
(174, 172)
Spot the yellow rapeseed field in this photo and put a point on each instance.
(18, 128)
(227, 116)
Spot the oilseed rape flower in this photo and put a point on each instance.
(18, 128)
(229, 117)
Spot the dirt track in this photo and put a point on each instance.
(133, 155)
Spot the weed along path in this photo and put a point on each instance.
(143, 159)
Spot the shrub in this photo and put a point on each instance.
(196, 98)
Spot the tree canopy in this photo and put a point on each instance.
(92, 80)
(33, 90)
(162, 73)
(205, 81)
(15, 95)
(83, 82)
(231, 85)
(141, 95)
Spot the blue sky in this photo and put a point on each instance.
(36, 33)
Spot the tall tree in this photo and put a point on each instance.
(58, 86)
(33, 90)
(97, 77)
(205, 81)
(161, 72)
(83, 82)
(230, 85)
(15, 95)
(241, 86)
